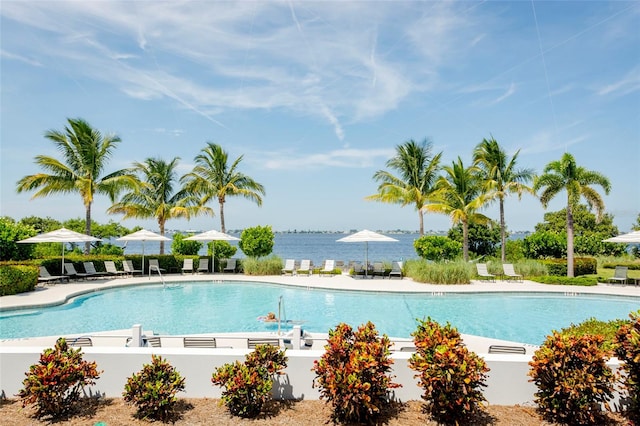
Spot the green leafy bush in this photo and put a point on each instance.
(53, 385)
(16, 279)
(544, 245)
(592, 326)
(247, 386)
(153, 390)
(271, 265)
(560, 280)
(581, 266)
(257, 241)
(434, 247)
(10, 233)
(352, 374)
(628, 352)
(185, 247)
(451, 377)
(572, 378)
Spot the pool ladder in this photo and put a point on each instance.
(160, 274)
(281, 312)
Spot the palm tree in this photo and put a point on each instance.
(155, 196)
(460, 195)
(213, 178)
(85, 153)
(418, 174)
(565, 174)
(501, 177)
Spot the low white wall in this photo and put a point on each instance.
(507, 382)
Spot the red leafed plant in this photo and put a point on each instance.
(573, 379)
(53, 385)
(451, 376)
(627, 349)
(352, 374)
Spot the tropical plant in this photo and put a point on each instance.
(43, 224)
(185, 247)
(85, 153)
(460, 196)
(628, 351)
(53, 385)
(418, 172)
(353, 374)
(10, 233)
(585, 222)
(155, 196)
(436, 247)
(565, 174)
(483, 238)
(213, 178)
(257, 241)
(247, 386)
(501, 178)
(451, 376)
(153, 390)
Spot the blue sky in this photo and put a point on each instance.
(316, 95)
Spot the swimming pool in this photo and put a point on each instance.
(234, 307)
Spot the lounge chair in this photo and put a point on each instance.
(46, 277)
(484, 273)
(203, 265)
(90, 269)
(79, 341)
(110, 266)
(305, 267)
(199, 342)
(230, 266)
(620, 275)
(396, 270)
(289, 267)
(253, 342)
(510, 273)
(358, 269)
(187, 265)
(155, 266)
(70, 270)
(153, 341)
(329, 266)
(500, 349)
(378, 269)
(129, 269)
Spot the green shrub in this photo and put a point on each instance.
(247, 386)
(12, 232)
(352, 374)
(53, 385)
(628, 352)
(593, 326)
(16, 279)
(435, 247)
(271, 265)
(561, 280)
(257, 241)
(581, 266)
(185, 247)
(153, 390)
(531, 268)
(450, 375)
(421, 271)
(572, 378)
(544, 244)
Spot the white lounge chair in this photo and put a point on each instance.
(305, 267)
(620, 275)
(155, 266)
(70, 270)
(46, 277)
(378, 269)
(230, 266)
(129, 269)
(203, 265)
(187, 265)
(289, 267)
(110, 266)
(484, 273)
(90, 269)
(329, 266)
(199, 342)
(396, 270)
(510, 273)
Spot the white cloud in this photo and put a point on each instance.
(344, 158)
(16, 57)
(629, 83)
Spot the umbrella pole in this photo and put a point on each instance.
(142, 258)
(62, 264)
(213, 257)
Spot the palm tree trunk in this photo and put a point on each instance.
(222, 227)
(421, 219)
(465, 240)
(87, 227)
(502, 233)
(569, 241)
(161, 224)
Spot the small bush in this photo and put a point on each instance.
(53, 385)
(581, 266)
(437, 248)
(439, 273)
(451, 376)
(560, 280)
(247, 386)
(153, 390)
(573, 379)
(271, 265)
(628, 352)
(606, 329)
(352, 374)
(16, 279)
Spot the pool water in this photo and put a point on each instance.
(235, 307)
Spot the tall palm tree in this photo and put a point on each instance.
(565, 174)
(501, 177)
(418, 174)
(85, 153)
(213, 178)
(155, 196)
(460, 196)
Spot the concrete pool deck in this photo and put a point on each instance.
(50, 295)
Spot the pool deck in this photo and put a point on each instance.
(50, 295)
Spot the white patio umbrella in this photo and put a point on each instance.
(212, 235)
(365, 236)
(62, 235)
(143, 235)
(629, 238)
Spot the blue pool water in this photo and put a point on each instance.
(230, 307)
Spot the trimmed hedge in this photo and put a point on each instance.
(581, 266)
(561, 280)
(16, 279)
